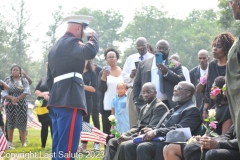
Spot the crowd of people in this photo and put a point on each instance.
(151, 96)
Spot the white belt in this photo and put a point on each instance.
(67, 75)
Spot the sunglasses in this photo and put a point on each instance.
(180, 88)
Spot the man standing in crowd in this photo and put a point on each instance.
(67, 103)
(164, 77)
(129, 73)
(198, 72)
(233, 74)
(150, 114)
(184, 69)
(184, 114)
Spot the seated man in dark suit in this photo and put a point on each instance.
(218, 148)
(185, 114)
(150, 115)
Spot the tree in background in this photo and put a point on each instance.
(14, 38)
(185, 36)
(57, 16)
(107, 25)
(226, 19)
(19, 40)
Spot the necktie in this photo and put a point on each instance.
(160, 81)
(141, 58)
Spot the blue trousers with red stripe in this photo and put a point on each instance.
(66, 127)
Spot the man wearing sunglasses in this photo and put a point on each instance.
(184, 114)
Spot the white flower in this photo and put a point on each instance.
(38, 103)
(111, 118)
(191, 140)
(211, 113)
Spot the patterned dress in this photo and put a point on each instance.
(16, 115)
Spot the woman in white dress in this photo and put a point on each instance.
(109, 77)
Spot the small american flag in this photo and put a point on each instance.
(3, 143)
(91, 133)
(32, 121)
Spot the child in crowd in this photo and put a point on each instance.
(119, 108)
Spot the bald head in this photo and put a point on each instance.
(163, 47)
(203, 52)
(141, 45)
(75, 29)
(149, 92)
(203, 59)
(175, 57)
(150, 85)
(188, 86)
(163, 42)
(141, 40)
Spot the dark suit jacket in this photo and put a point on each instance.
(143, 75)
(194, 77)
(228, 140)
(66, 56)
(150, 119)
(184, 115)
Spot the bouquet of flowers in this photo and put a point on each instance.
(113, 122)
(211, 123)
(38, 103)
(174, 64)
(203, 79)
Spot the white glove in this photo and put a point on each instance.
(87, 31)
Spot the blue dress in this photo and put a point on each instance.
(121, 114)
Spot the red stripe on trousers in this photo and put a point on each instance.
(71, 133)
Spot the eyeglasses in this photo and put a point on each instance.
(162, 49)
(180, 88)
(147, 92)
(141, 47)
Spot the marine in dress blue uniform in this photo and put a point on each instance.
(67, 103)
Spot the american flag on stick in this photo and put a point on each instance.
(3, 143)
(32, 121)
(91, 133)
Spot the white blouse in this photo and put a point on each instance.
(111, 90)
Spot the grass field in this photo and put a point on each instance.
(33, 151)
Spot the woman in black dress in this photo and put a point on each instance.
(90, 84)
(42, 93)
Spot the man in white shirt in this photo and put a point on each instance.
(199, 71)
(129, 73)
(163, 76)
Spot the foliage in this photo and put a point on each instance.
(107, 25)
(186, 36)
(226, 19)
(19, 40)
(57, 16)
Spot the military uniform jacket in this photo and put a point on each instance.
(68, 55)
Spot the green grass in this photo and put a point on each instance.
(33, 151)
